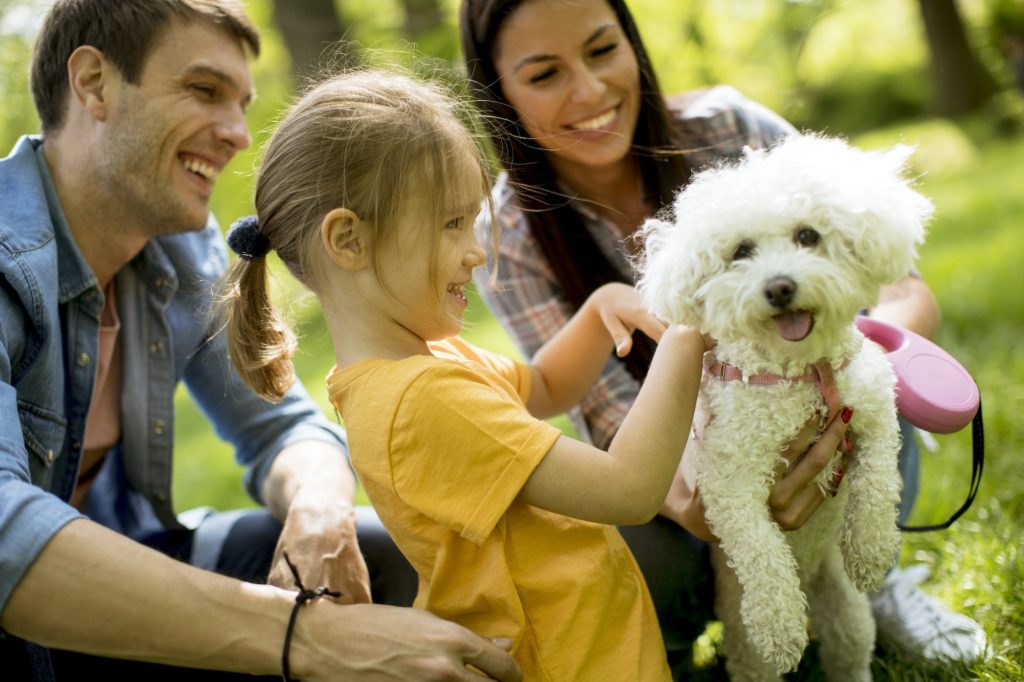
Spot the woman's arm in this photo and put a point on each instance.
(909, 303)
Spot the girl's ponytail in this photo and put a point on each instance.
(260, 341)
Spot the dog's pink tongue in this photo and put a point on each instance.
(794, 326)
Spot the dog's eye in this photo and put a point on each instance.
(807, 236)
(744, 250)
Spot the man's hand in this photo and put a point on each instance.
(310, 488)
(319, 535)
(376, 643)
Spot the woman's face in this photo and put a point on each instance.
(571, 74)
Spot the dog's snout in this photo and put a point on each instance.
(780, 291)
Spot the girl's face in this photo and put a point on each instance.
(573, 77)
(426, 285)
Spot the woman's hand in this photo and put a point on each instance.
(621, 310)
(795, 495)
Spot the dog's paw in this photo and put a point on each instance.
(867, 562)
(867, 572)
(780, 636)
(784, 656)
(868, 553)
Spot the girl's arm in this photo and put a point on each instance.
(628, 483)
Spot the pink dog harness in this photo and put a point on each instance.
(820, 373)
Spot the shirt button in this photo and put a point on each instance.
(158, 427)
(89, 295)
(49, 455)
(84, 360)
(156, 347)
(160, 497)
(76, 444)
(159, 282)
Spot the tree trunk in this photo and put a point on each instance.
(421, 16)
(960, 82)
(315, 37)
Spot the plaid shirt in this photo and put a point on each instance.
(713, 124)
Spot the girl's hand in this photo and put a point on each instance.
(621, 310)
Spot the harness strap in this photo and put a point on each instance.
(820, 373)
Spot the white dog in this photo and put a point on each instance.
(774, 256)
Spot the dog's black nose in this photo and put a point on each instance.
(780, 291)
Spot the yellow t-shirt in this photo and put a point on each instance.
(442, 445)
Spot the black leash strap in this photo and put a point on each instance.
(977, 464)
(303, 597)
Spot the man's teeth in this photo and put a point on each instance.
(200, 168)
(596, 122)
(456, 289)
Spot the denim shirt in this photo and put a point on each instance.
(50, 309)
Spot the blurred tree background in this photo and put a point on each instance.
(842, 66)
(945, 75)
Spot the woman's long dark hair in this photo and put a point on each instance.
(578, 263)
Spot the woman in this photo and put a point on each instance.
(590, 148)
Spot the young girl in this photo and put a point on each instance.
(368, 192)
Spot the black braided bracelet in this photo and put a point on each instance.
(303, 597)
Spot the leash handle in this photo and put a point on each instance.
(977, 465)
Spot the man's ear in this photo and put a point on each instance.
(90, 78)
(345, 239)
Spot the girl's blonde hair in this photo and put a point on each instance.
(368, 141)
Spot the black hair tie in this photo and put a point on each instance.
(303, 597)
(247, 240)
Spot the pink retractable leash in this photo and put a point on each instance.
(934, 393)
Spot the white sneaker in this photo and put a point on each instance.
(919, 625)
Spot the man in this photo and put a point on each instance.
(107, 254)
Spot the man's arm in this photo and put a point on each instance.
(95, 591)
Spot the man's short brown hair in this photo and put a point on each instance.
(124, 31)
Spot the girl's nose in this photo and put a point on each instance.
(475, 255)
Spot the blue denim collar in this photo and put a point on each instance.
(75, 277)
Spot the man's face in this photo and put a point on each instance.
(168, 138)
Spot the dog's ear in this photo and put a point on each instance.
(670, 273)
(896, 217)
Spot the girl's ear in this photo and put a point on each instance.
(345, 239)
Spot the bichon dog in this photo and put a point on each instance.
(774, 256)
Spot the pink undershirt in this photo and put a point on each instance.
(103, 424)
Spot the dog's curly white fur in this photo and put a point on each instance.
(774, 256)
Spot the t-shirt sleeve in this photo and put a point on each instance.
(462, 449)
(516, 373)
